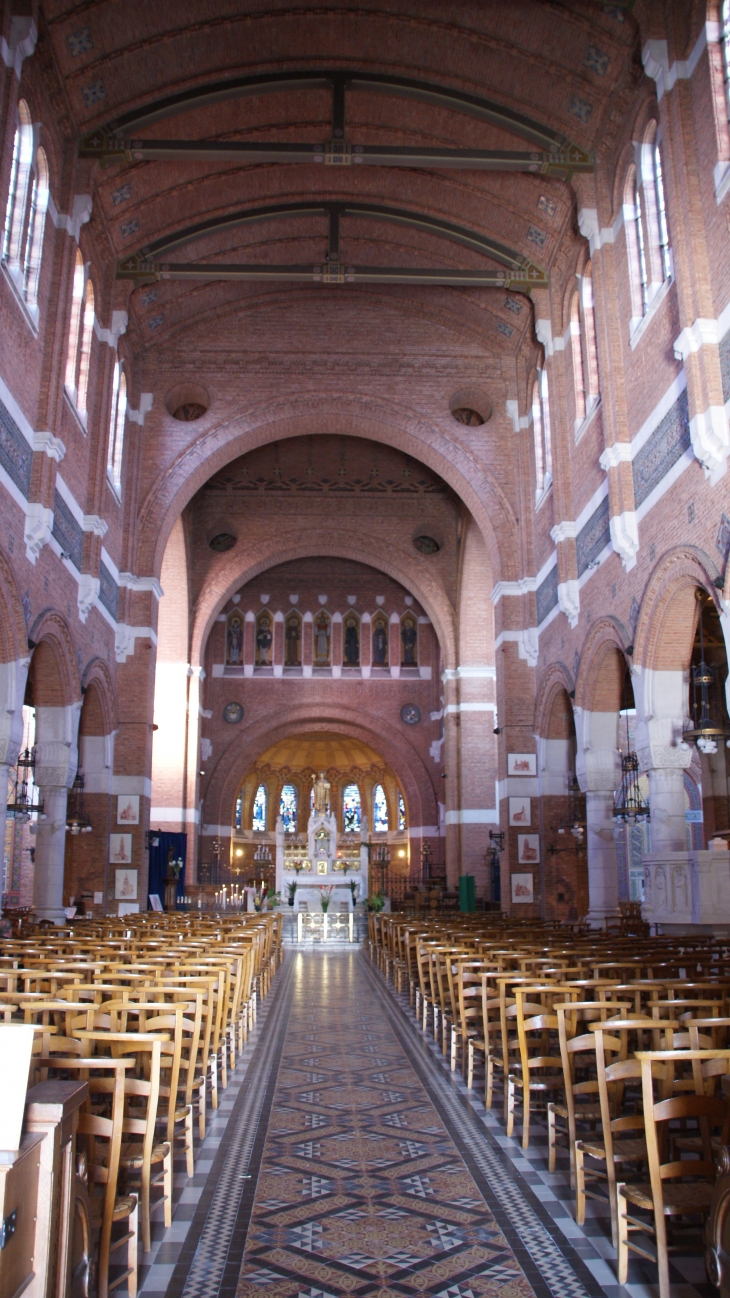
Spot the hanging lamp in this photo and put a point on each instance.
(23, 804)
(77, 821)
(708, 724)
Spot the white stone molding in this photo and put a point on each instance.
(127, 637)
(469, 707)
(618, 453)
(598, 761)
(481, 672)
(130, 582)
(710, 442)
(37, 530)
(695, 336)
(624, 529)
(92, 523)
(569, 599)
(53, 446)
(661, 707)
(523, 586)
(655, 57)
(565, 531)
(88, 594)
(596, 235)
(139, 415)
(473, 816)
(206, 749)
(79, 215)
(513, 413)
(13, 676)
(111, 336)
(22, 43)
(56, 753)
(527, 641)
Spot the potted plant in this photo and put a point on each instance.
(353, 890)
(376, 902)
(326, 891)
(273, 899)
(292, 892)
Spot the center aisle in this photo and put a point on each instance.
(350, 1166)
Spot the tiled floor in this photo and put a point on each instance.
(347, 1159)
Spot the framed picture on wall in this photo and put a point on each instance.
(125, 885)
(128, 809)
(523, 888)
(522, 764)
(520, 812)
(528, 849)
(120, 849)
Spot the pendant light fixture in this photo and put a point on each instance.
(707, 712)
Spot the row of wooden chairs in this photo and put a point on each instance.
(624, 1051)
(153, 1016)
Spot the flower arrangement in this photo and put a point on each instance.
(326, 891)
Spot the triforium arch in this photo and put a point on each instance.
(201, 458)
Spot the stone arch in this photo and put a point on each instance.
(249, 745)
(590, 686)
(448, 457)
(53, 666)
(97, 677)
(226, 577)
(666, 624)
(556, 678)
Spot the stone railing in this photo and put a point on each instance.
(685, 888)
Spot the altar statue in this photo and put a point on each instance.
(322, 788)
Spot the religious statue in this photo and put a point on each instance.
(380, 645)
(293, 640)
(264, 639)
(235, 639)
(321, 789)
(322, 640)
(352, 644)
(409, 636)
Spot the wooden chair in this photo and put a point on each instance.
(536, 1068)
(99, 1145)
(622, 1128)
(581, 1106)
(677, 1188)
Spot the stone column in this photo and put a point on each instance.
(55, 768)
(13, 676)
(598, 768)
(661, 708)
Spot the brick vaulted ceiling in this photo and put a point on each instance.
(177, 72)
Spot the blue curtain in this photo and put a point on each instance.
(158, 862)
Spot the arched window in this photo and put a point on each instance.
(116, 427)
(288, 808)
(662, 231)
(264, 639)
(87, 333)
(590, 351)
(380, 640)
(409, 640)
(351, 810)
(293, 640)
(401, 812)
(726, 51)
(380, 810)
(35, 229)
(19, 182)
(74, 329)
(351, 641)
(635, 245)
(576, 350)
(541, 429)
(258, 820)
(238, 814)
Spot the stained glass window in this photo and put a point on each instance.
(259, 809)
(239, 812)
(351, 810)
(401, 811)
(380, 810)
(288, 808)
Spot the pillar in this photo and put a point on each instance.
(661, 706)
(55, 768)
(598, 768)
(12, 690)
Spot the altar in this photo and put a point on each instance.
(322, 865)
